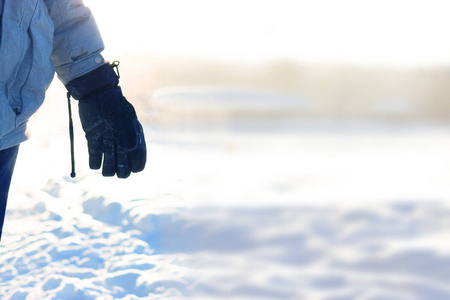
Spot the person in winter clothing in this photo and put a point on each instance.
(39, 37)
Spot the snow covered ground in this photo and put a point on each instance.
(306, 211)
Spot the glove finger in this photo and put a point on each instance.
(123, 167)
(95, 153)
(138, 156)
(109, 158)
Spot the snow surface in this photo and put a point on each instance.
(316, 211)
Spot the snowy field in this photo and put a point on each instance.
(302, 211)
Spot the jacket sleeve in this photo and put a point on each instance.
(77, 42)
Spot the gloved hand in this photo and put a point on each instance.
(112, 129)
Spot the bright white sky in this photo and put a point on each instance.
(360, 31)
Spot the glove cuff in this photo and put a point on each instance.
(99, 79)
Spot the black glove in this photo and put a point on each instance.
(112, 129)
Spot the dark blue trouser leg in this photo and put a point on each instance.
(7, 162)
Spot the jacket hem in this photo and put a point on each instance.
(15, 137)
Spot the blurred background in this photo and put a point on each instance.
(297, 149)
(380, 61)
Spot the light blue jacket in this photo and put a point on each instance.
(38, 37)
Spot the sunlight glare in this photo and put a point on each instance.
(385, 31)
